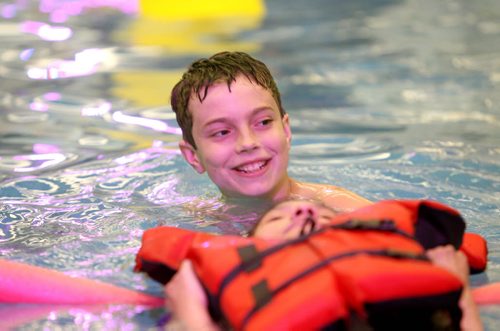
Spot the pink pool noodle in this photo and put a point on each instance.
(488, 294)
(23, 283)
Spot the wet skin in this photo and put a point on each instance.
(291, 219)
(242, 141)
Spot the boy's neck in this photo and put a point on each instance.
(285, 192)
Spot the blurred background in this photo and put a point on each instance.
(389, 98)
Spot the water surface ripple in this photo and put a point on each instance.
(391, 99)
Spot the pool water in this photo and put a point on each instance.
(391, 99)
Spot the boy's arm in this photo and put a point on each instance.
(342, 200)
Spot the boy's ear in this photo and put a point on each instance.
(286, 127)
(190, 156)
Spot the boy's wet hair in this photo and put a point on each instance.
(222, 67)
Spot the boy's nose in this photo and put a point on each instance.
(246, 142)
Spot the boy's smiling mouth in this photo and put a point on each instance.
(251, 168)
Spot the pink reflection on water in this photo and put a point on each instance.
(46, 31)
(42, 161)
(8, 11)
(97, 109)
(157, 143)
(132, 157)
(61, 10)
(85, 63)
(26, 54)
(38, 105)
(52, 96)
(146, 122)
(45, 148)
(54, 33)
(81, 317)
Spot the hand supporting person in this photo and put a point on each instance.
(456, 262)
(187, 301)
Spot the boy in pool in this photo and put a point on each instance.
(234, 128)
(287, 220)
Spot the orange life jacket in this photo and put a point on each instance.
(369, 263)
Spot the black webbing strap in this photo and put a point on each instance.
(385, 225)
(247, 255)
(261, 293)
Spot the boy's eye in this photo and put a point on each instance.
(265, 122)
(220, 133)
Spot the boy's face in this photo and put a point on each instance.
(242, 142)
(291, 219)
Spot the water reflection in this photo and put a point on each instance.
(392, 99)
(331, 149)
(46, 31)
(113, 317)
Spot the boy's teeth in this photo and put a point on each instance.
(251, 167)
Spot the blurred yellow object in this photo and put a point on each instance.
(145, 88)
(200, 9)
(136, 140)
(193, 27)
(202, 37)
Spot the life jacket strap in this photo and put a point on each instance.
(247, 255)
(386, 225)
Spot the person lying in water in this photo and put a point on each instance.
(188, 302)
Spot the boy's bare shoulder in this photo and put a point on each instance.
(335, 197)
